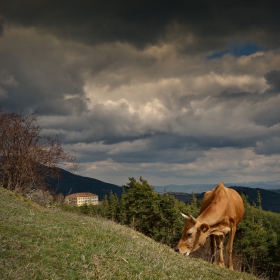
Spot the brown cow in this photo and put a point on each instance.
(221, 211)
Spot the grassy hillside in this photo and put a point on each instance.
(36, 243)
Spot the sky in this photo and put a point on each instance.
(178, 92)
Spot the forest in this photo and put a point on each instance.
(257, 241)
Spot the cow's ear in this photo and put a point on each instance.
(204, 228)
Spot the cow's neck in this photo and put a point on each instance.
(210, 216)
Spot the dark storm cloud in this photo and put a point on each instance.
(43, 99)
(268, 147)
(37, 74)
(170, 156)
(268, 115)
(162, 142)
(145, 22)
(43, 93)
(1, 26)
(235, 97)
(111, 124)
(144, 150)
(267, 112)
(138, 22)
(175, 87)
(172, 149)
(273, 79)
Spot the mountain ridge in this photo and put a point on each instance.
(270, 198)
(268, 185)
(73, 183)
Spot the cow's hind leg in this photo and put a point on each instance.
(220, 241)
(230, 246)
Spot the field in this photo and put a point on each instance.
(39, 243)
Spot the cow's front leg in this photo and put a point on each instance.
(220, 241)
(213, 248)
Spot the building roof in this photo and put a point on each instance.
(83, 194)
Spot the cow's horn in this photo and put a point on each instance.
(185, 216)
(193, 218)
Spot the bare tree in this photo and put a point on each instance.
(27, 159)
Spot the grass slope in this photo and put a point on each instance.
(36, 243)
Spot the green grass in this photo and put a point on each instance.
(36, 243)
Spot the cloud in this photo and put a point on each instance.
(227, 165)
(273, 79)
(1, 26)
(165, 91)
(194, 26)
(268, 147)
(39, 73)
(197, 112)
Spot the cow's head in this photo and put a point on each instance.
(193, 236)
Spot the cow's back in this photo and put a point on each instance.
(221, 205)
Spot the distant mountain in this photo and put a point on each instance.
(278, 191)
(197, 188)
(270, 198)
(267, 185)
(186, 197)
(72, 183)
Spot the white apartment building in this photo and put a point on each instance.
(79, 199)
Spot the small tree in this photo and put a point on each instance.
(27, 159)
(121, 216)
(113, 206)
(104, 209)
(192, 206)
(259, 200)
(157, 216)
(138, 203)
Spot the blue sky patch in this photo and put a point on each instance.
(238, 50)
